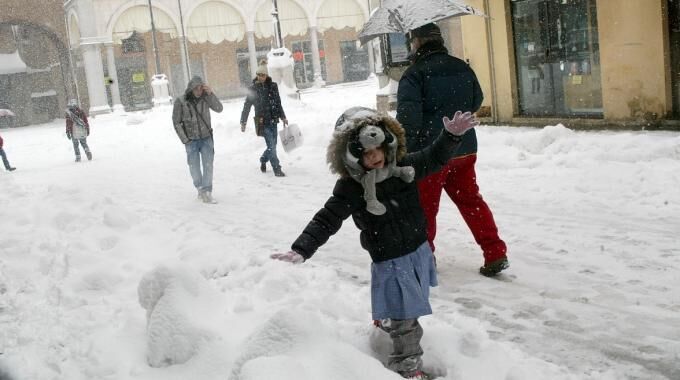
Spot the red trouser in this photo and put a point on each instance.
(459, 180)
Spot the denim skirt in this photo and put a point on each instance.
(400, 288)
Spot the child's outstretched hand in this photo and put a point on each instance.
(460, 124)
(290, 256)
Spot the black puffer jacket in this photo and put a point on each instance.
(436, 85)
(267, 101)
(398, 232)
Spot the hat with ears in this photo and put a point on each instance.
(262, 68)
(366, 138)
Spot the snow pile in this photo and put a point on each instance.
(590, 218)
(175, 315)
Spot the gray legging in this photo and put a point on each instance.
(83, 142)
(406, 356)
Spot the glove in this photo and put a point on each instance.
(68, 135)
(460, 124)
(290, 257)
(243, 127)
(285, 122)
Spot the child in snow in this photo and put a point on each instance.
(8, 167)
(77, 128)
(377, 188)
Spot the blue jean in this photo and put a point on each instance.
(4, 159)
(269, 154)
(198, 151)
(83, 142)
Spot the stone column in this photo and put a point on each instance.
(113, 74)
(94, 73)
(91, 50)
(316, 61)
(252, 52)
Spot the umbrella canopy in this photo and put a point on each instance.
(402, 16)
(5, 112)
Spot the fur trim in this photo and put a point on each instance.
(338, 145)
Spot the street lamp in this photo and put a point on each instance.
(153, 40)
(184, 39)
(277, 25)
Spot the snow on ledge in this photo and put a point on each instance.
(12, 64)
(43, 94)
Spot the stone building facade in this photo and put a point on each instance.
(584, 63)
(35, 71)
(221, 40)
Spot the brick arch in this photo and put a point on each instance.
(62, 49)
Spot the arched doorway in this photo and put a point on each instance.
(295, 32)
(216, 32)
(134, 55)
(39, 92)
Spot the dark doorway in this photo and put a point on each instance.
(558, 58)
(354, 61)
(674, 39)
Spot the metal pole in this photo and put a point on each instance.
(72, 68)
(277, 25)
(184, 38)
(370, 43)
(153, 40)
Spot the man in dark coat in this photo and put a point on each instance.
(191, 117)
(264, 95)
(434, 86)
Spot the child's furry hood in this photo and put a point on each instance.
(351, 126)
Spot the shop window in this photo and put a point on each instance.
(303, 68)
(354, 61)
(243, 61)
(558, 57)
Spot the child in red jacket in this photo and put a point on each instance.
(8, 167)
(77, 128)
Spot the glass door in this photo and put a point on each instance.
(354, 61)
(558, 60)
(303, 66)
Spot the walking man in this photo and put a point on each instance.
(191, 118)
(437, 85)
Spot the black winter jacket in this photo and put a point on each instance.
(398, 232)
(436, 85)
(267, 101)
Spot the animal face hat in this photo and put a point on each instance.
(359, 129)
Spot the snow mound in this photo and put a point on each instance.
(172, 298)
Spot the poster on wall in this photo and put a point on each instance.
(395, 49)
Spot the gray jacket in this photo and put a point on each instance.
(191, 116)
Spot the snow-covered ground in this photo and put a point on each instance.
(591, 219)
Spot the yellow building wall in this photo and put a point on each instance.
(635, 74)
(476, 50)
(632, 38)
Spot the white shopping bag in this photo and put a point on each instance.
(291, 137)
